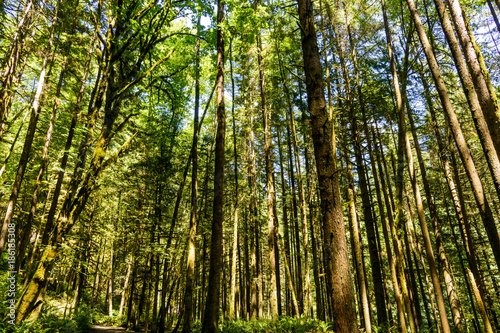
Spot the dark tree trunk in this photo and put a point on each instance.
(336, 259)
(212, 303)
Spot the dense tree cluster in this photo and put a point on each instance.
(182, 164)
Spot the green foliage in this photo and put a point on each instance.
(284, 325)
(83, 319)
(51, 322)
(105, 320)
(48, 322)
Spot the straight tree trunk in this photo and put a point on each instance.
(191, 255)
(211, 315)
(387, 237)
(411, 272)
(468, 240)
(285, 249)
(30, 134)
(480, 303)
(423, 223)
(475, 320)
(124, 289)
(110, 281)
(465, 153)
(365, 198)
(357, 249)
(443, 258)
(271, 195)
(398, 212)
(489, 143)
(336, 259)
(295, 237)
(255, 286)
(303, 214)
(236, 204)
(494, 14)
(457, 196)
(478, 70)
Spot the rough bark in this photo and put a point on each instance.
(334, 238)
(211, 315)
(478, 70)
(478, 103)
(465, 153)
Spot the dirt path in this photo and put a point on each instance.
(108, 329)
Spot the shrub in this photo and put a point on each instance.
(48, 322)
(83, 319)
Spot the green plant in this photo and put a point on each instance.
(83, 319)
(48, 322)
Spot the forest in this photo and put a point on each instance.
(250, 166)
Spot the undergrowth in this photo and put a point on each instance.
(284, 325)
(51, 322)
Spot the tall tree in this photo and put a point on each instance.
(334, 238)
(191, 257)
(465, 153)
(211, 315)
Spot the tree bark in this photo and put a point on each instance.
(465, 153)
(30, 134)
(334, 238)
(478, 70)
(357, 249)
(191, 256)
(478, 107)
(399, 217)
(387, 237)
(271, 195)
(236, 203)
(365, 199)
(211, 315)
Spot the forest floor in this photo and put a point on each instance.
(108, 329)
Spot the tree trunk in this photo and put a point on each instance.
(337, 267)
(41, 170)
(124, 289)
(479, 72)
(357, 250)
(236, 203)
(212, 303)
(191, 256)
(254, 225)
(423, 224)
(494, 14)
(48, 58)
(365, 199)
(387, 237)
(489, 143)
(110, 281)
(443, 258)
(271, 195)
(398, 212)
(465, 153)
